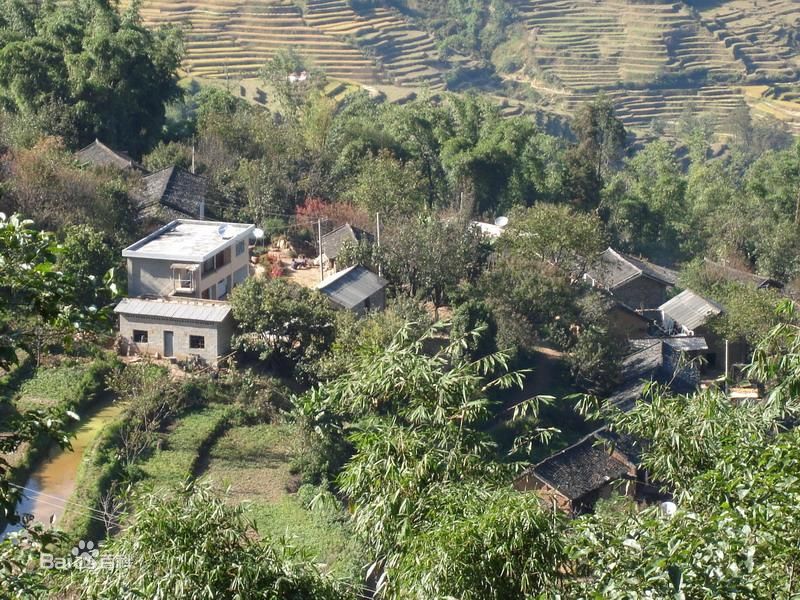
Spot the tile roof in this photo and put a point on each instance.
(333, 241)
(98, 154)
(690, 310)
(177, 189)
(743, 276)
(351, 287)
(580, 469)
(614, 269)
(203, 311)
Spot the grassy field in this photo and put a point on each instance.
(253, 464)
(182, 446)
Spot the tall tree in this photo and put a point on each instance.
(108, 71)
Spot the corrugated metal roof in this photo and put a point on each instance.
(690, 310)
(687, 343)
(351, 287)
(185, 310)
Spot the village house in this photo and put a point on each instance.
(333, 242)
(689, 314)
(180, 328)
(178, 278)
(721, 272)
(635, 282)
(167, 194)
(575, 478)
(99, 155)
(356, 289)
(174, 193)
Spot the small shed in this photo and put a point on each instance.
(356, 288)
(179, 328)
(688, 312)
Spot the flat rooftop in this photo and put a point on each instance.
(188, 241)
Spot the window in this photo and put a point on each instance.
(208, 266)
(367, 304)
(139, 336)
(206, 295)
(222, 289)
(197, 342)
(240, 248)
(184, 281)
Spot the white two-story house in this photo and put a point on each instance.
(178, 280)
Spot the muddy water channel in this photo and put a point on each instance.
(53, 480)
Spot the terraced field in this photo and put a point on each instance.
(234, 38)
(655, 58)
(660, 59)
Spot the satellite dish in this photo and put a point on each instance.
(501, 221)
(223, 232)
(258, 233)
(668, 508)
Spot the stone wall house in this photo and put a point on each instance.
(333, 242)
(575, 478)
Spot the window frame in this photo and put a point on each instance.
(138, 334)
(195, 339)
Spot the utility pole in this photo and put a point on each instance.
(319, 235)
(378, 238)
(193, 165)
(726, 365)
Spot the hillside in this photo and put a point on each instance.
(656, 59)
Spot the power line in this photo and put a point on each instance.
(59, 498)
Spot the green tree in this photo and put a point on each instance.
(111, 74)
(34, 295)
(197, 543)
(600, 144)
(556, 235)
(282, 322)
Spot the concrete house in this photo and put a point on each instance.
(635, 282)
(178, 279)
(189, 259)
(357, 289)
(182, 328)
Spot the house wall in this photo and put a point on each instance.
(217, 336)
(550, 496)
(625, 325)
(152, 277)
(226, 273)
(642, 292)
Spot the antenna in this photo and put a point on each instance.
(501, 221)
(258, 233)
(224, 232)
